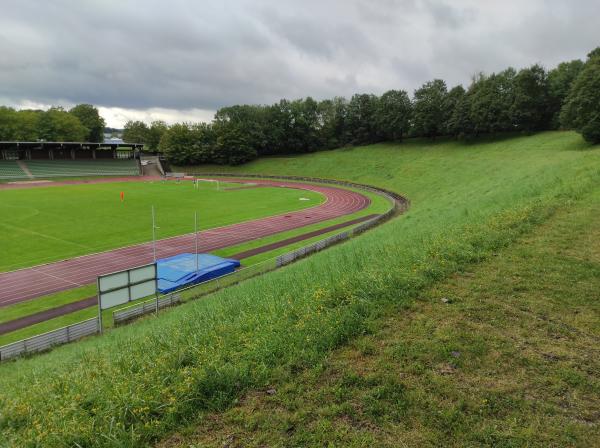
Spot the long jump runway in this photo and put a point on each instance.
(28, 283)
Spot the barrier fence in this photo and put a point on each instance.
(132, 312)
(284, 259)
(48, 340)
(125, 315)
(290, 257)
(88, 327)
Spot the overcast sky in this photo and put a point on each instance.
(183, 59)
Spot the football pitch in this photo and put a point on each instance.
(44, 224)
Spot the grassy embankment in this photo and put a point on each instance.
(140, 382)
(503, 354)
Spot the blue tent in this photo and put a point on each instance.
(180, 270)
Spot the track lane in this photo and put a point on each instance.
(28, 283)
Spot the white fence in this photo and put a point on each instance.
(133, 312)
(289, 257)
(48, 340)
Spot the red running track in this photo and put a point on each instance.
(24, 284)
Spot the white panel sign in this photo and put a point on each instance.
(144, 273)
(114, 298)
(122, 287)
(143, 290)
(112, 281)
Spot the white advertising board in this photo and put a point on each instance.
(119, 288)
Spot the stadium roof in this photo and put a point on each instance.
(83, 145)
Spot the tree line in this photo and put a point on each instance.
(529, 100)
(82, 123)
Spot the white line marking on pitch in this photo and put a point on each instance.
(56, 277)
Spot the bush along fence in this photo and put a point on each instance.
(88, 327)
(46, 341)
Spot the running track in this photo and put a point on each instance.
(24, 284)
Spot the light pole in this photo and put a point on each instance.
(153, 235)
(196, 236)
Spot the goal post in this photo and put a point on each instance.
(216, 182)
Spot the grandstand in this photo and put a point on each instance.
(65, 168)
(43, 169)
(10, 169)
(41, 160)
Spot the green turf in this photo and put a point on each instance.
(138, 383)
(44, 303)
(40, 225)
(48, 325)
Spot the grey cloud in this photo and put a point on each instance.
(447, 15)
(187, 54)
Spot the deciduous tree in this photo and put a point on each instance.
(89, 116)
(581, 110)
(57, 125)
(362, 119)
(136, 132)
(155, 133)
(530, 109)
(560, 81)
(394, 111)
(430, 111)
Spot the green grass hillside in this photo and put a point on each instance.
(137, 384)
(504, 354)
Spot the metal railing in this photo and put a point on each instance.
(289, 257)
(50, 339)
(132, 312)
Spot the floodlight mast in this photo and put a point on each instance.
(153, 235)
(99, 306)
(196, 236)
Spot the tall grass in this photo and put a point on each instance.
(139, 382)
